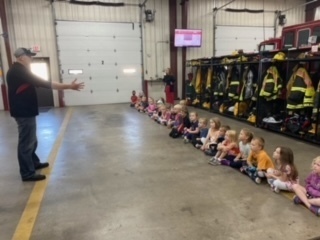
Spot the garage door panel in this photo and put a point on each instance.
(128, 85)
(105, 83)
(111, 86)
(104, 78)
(108, 57)
(96, 97)
(93, 43)
(229, 38)
(76, 99)
(71, 28)
(98, 58)
(99, 69)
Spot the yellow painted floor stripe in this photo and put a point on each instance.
(30, 213)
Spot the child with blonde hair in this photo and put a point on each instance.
(310, 194)
(285, 174)
(258, 161)
(213, 133)
(213, 146)
(228, 149)
(175, 116)
(198, 142)
(151, 108)
(183, 102)
(245, 137)
(165, 115)
(180, 123)
(193, 131)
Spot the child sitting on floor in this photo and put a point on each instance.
(143, 104)
(138, 102)
(258, 161)
(134, 99)
(228, 149)
(198, 142)
(213, 133)
(245, 137)
(165, 115)
(180, 124)
(285, 174)
(175, 116)
(213, 145)
(185, 119)
(151, 107)
(193, 131)
(310, 194)
(157, 113)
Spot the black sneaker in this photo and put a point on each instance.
(41, 165)
(36, 177)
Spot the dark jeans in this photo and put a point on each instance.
(27, 146)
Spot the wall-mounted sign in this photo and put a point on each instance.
(36, 48)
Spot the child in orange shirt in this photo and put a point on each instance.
(258, 161)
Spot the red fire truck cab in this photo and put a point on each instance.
(295, 36)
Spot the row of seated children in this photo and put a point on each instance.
(142, 104)
(244, 152)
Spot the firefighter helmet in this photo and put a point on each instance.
(280, 56)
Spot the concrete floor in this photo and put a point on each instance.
(119, 176)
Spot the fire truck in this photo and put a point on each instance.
(295, 36)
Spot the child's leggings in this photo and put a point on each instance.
(229, 161)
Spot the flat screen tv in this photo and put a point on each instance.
(187, 37)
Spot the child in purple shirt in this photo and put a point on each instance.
(310, 194)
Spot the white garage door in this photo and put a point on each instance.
(106, 56)
(230, 38)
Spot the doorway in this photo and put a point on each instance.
(40, 67)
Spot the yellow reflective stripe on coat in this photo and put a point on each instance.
(300, 89)
(269, 80)
(234, 83)
(299, 106)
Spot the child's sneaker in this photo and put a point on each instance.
(257, 180)
(297, 200)
(315, 210)
(276, 190)
(212, 160)
(243, 170)
(216, 162)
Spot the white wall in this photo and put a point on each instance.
(30, 23)
(201, 16)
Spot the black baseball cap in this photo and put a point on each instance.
(23, 51)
